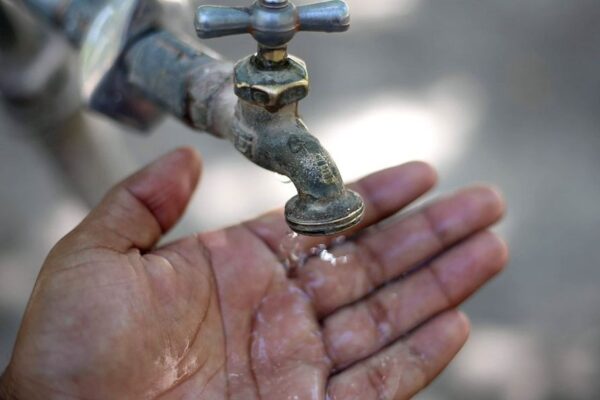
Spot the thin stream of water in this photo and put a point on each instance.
(296, 257)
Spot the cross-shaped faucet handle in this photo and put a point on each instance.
(273, 23)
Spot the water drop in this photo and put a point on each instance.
(295, 257)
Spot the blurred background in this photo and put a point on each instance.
(504, 91)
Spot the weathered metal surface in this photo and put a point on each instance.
(280, 142)
(132, 70)
(272, 87)
(162, 73)
(181, 79)
(266, 127)
(72, 17)
(273, 23)
(102, 30)
(105, 84)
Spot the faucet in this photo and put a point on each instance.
(266, 127)
(134, 67)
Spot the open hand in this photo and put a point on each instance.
(216, 316)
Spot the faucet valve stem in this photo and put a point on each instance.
(273, 23)
(274, 3)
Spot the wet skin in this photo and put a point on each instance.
(215, 316)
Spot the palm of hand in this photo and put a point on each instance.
(215, 316)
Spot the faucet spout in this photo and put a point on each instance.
(280, 142)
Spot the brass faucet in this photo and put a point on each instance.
(136, 64)
(266, 127)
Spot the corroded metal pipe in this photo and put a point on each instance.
(133, 70)
(198, 89)
(183, 80)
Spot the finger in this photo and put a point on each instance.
(360, 330)
(392, 250)
(406, 367)
(384, 193)
(137, 212)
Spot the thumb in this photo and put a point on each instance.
(139, 210)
